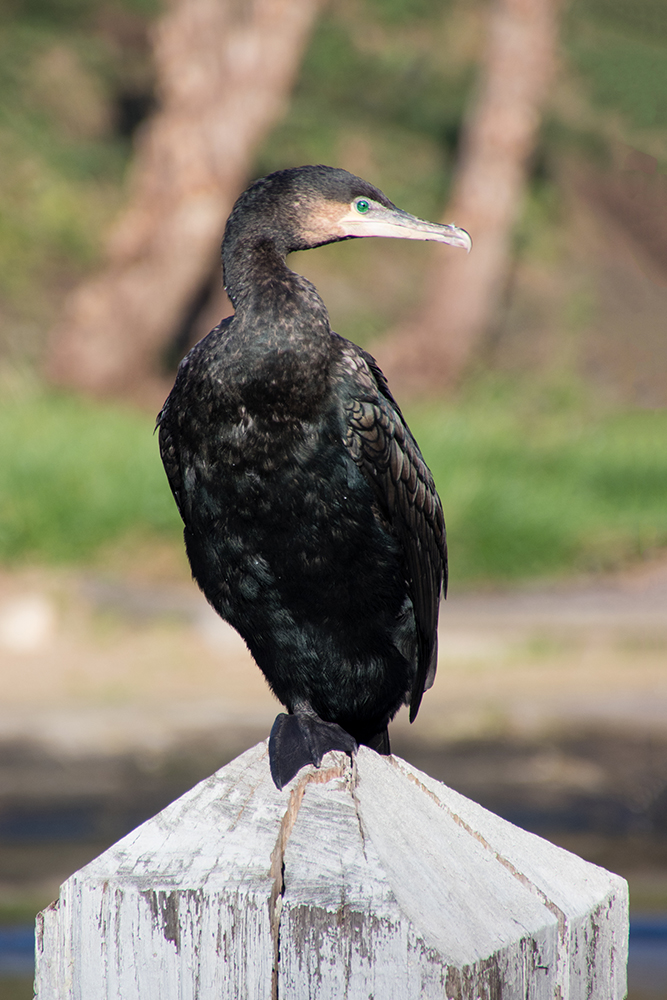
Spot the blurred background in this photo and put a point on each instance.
(533, 373)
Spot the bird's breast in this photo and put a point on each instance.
(271, 361)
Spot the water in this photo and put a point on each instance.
(647, 965)
(17, 950)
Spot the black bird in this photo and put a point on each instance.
(312, 523)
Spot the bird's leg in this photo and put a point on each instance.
(302, 738)
(379, 742)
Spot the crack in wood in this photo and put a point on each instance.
(312, 777)
(354, 781)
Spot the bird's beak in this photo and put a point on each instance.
(396, 224)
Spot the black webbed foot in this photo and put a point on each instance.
(300, 739)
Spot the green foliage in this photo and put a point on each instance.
(646, 18)
(618, 48)
(628, 75)
(398, 83)
(62, 163)
(76, 475)
(383, 78)
(405, 11)
(66, 14)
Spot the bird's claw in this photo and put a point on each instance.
(300, 739)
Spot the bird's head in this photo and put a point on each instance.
(305, 207)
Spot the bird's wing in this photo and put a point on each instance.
(381, 444)
(170, 418)
(168, 426)
(169, 455)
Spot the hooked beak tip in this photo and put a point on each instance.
(459, 238)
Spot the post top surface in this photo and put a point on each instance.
(374, 828)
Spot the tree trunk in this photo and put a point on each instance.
(224, 71)
(463, 291)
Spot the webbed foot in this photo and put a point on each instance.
(300, 739)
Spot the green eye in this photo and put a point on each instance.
(362, 206)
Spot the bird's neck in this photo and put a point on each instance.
(280, 331)
(268, 296)
(252, 268)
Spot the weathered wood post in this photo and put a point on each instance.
(363, 879)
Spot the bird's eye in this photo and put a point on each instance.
(362, 205)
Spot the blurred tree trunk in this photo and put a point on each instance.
(224, 70)
(462, 291)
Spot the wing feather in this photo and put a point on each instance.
(166, 427)
(381, 444)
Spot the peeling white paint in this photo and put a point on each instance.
(357, 880)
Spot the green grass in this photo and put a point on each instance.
(62, 162)
(75, 476)
(533, 482)
(540, 488)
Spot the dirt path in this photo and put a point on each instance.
(91, 664)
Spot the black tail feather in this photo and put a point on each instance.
(379, 742)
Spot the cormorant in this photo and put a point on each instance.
(312, 523)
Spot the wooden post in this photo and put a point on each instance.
(363, 879)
